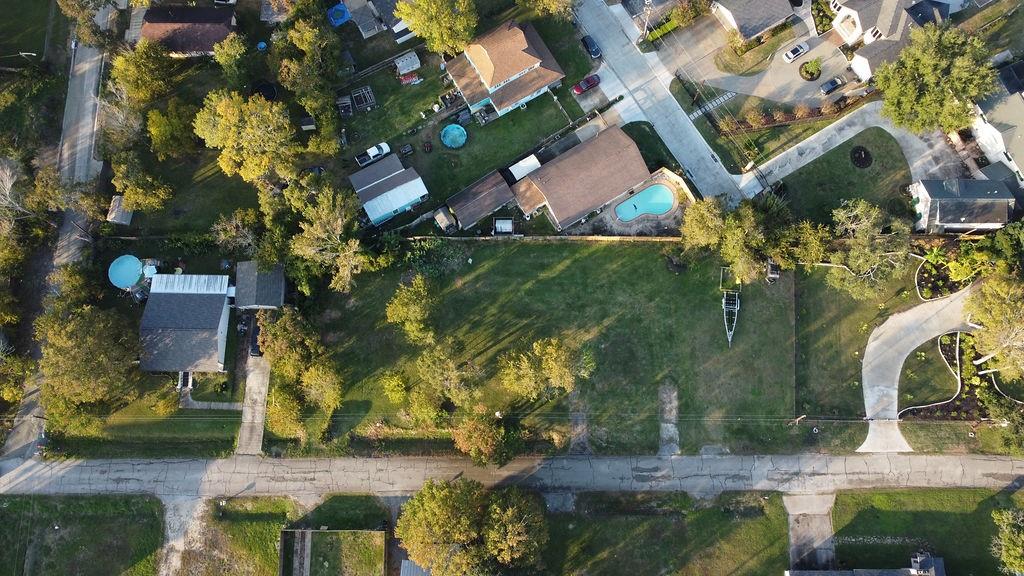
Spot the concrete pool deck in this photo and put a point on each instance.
(608, 224)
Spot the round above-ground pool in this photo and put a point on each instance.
(454, 136)
(655, 200)
(125, 272)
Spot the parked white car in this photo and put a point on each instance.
(373, 154)
(795, 52)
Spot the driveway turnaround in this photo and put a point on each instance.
(254, 406)
(887, 349)
(928, 155)
(647, 82)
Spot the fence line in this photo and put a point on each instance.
(567, 238)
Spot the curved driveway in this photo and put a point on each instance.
(887, 349)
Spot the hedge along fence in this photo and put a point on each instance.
(566, 238)
(666, 27)
(848, 106)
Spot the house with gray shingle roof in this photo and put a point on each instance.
(999, 126)
(956, 205)
(257, 289)
(751, 18)
(185, 324)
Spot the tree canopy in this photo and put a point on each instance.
(997, 305)
(144, 73)
(549, 366)
(874, 248)
(170, 131)
(936, 80)
(327, 236)
(561, 9)
(1008, 543)
(446, 26)
(142, 191)
(230, 54)
(255, 137)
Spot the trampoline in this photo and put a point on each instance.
(125, 272)
(338, 14)
(454, 136)
(266, 89)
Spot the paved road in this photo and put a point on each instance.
(697, 475)
(254, 406)
(647, 82)
(76, 164)
(928, 154)
(887, 350)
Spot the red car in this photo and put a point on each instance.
(586, 84)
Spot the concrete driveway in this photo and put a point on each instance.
(692, 50)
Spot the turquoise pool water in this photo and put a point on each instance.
(656, 199)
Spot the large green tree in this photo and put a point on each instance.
(549, 367)
(561, 9)
(230, 54)
(255, 137)
(873, 249)
(936, 80)
(327, 237)
(1008, 543)
(170, 131)
(515, 531)
(289, 342)
(144, 73)
(410, 308)
(997, 306)
(446, 26)
(142, 191)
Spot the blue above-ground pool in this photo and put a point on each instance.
(655, 200)
(454, 136)
(125, 272)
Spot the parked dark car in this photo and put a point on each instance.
(407, 150)
(586, 84)
(254, 338)
(832, 85)
(591, 45)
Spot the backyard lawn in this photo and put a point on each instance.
(85, 536)
(832, 331)
(755, 60)
(819, 187)
(925, 377)
(999, 30)
(954, 524)
(23, 29)
(737, 534)
(140, 430)
(656, 154)
(647, 326)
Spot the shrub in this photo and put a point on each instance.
(728, 124)
(394, 386)
(829, 107)
(755, 118)
(802, 111)
(779, 115)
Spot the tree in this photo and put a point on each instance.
(1008, 543)
(549, 366)
(312, 76)
(936, 79)
(703, 224)
(288, 341)
(560, 9)
(83, 12)
(230, 54)
(446, 26)
(515, 530)
(441, 372)
(122, 121)
(48, 193)
(12, 196)
(283, 414)
(997, 305)
(142, 191)
(803, 243)
(326, 237)
(484, 439)
(410, 307)
(743, 240)
(441, 525)
(29, 102)
(237, 233)
(394, 386)
(874, 249)
(255, 137)
(143, 73)
(170, 132)
(321, 386)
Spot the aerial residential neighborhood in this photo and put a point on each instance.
(503, 287)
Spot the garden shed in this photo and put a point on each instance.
(407, 62)
(480, 199)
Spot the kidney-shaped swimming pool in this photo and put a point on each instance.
(656, 199)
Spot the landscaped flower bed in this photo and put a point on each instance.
(933, 276)
(823, 16)
(811, 70)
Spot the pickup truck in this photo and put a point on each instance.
(373, 154)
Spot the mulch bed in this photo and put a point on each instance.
(965, 406)
(810, 77)
(933, 281)
(861, 157)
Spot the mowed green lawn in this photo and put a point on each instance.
(646, 325)
(86, 536)
(736, 534)
(954, 524)
(999, 30)
(925, 377)
(22, 29)
(821, 186)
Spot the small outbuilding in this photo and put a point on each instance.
(117, 214)
(406, 63)
(386, 188)
(257, 289)
(480, 199)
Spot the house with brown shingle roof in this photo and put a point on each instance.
(504, 69)
(586, 178)
(187, 31)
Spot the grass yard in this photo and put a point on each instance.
(819, 187)
(202, 192)
(755, 60)
(94, 536)
(954, 524)
(652, 147)
(737, 534)
(1000, 25)
(948, 437)
(139, 430)
(647, 326)
(925, 377)
(832, 331)
(348, 553)
(23, 30)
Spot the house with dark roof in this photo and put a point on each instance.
(880, 29)
(504, 69)
(480, 199)
(999, 125)
(257, 289)
(185, 324)
(751, 18)
(946, 206)
(187, 31)
(921, 564)
(375, 16)
(386, 188)
(586, 178)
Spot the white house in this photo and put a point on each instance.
(879, 29)
(999, 126)
(386, 188)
